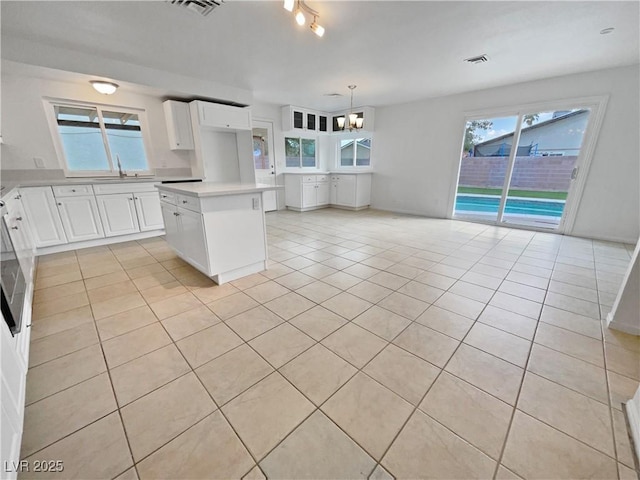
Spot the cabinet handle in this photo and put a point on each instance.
(14, 228)
(19, 219)
(73, 190)
(59, 204)
(185, 201)
(130, 199)
(17, 197)
(136, 198)
(1, 203)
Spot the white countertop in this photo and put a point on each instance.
(331, 172)
(213, 189)
(90, 181)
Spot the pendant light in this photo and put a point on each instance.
(355, 122)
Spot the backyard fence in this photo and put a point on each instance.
(549, 174)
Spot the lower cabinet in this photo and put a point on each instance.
(64, 214)
(42, 212)
(118, 213)
(351, 190)
(184, 230)
(306, 192)
(148, 210)
(80, 218)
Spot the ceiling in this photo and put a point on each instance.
(394, 51)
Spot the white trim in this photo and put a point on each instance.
(65, 247)
(632, 407)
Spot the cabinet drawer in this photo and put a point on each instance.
(125, 186)
(309, 179)
(190, 203)
(72, 190)
(168, 197)
(322, 178)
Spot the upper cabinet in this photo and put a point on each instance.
(296, 118)
(304, 119)
(223, 116)
(178, 120)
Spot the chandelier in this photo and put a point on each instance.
(355, 122)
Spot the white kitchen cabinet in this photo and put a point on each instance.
(148, 210)
(178, 120)
(118, 214)
(172, 232)
(80, 218)
(217, 115)
(185, 233)
(306, 192)
(351, 190)
(296, 118)
(191, 227)
(40, 208)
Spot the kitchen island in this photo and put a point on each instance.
(218, 228)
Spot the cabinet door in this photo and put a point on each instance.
(21, 236)
(311, 121)
(298, 119)
(333, 194)
(322, 193)
(80, 218)
(170, 220)
(322, 119)
(309, 197)
(194, 243)
(118, 213)
(224, 116)
(44, 218)
(178, 119)
(346, 194)
(148, 208)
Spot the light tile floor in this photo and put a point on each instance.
(376, 345)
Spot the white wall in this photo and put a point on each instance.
(417, 150)
(26, 133)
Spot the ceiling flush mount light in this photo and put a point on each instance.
(106, 88)
(301, 19)
(606, 31)
(355, 122)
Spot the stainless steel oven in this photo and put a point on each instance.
(12, 283)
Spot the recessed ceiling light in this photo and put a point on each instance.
(606, 31)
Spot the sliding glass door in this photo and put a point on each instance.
(527, 185)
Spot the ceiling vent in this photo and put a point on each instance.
(479, 59)
(203, 7)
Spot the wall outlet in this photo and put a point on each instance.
(256, 203)
(39, 161)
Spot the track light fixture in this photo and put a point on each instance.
(299, 13)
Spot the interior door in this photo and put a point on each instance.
(264, 161)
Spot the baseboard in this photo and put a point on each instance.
(621, 327)
(98, 242)
(632, 408)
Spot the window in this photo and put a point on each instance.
(300, 152)
(94, 139)
(355, 152)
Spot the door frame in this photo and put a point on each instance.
(597, 104)
(258, 122)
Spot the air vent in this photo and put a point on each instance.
(203, 7)
(479, 59)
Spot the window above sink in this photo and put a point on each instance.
(98, 140)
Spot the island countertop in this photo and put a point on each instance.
(213, 189)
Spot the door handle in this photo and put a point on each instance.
(574, 173)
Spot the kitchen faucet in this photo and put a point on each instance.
(121, 174)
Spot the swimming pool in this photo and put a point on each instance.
(514, 206)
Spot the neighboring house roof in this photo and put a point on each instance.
(537, 125)
(361, 143)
